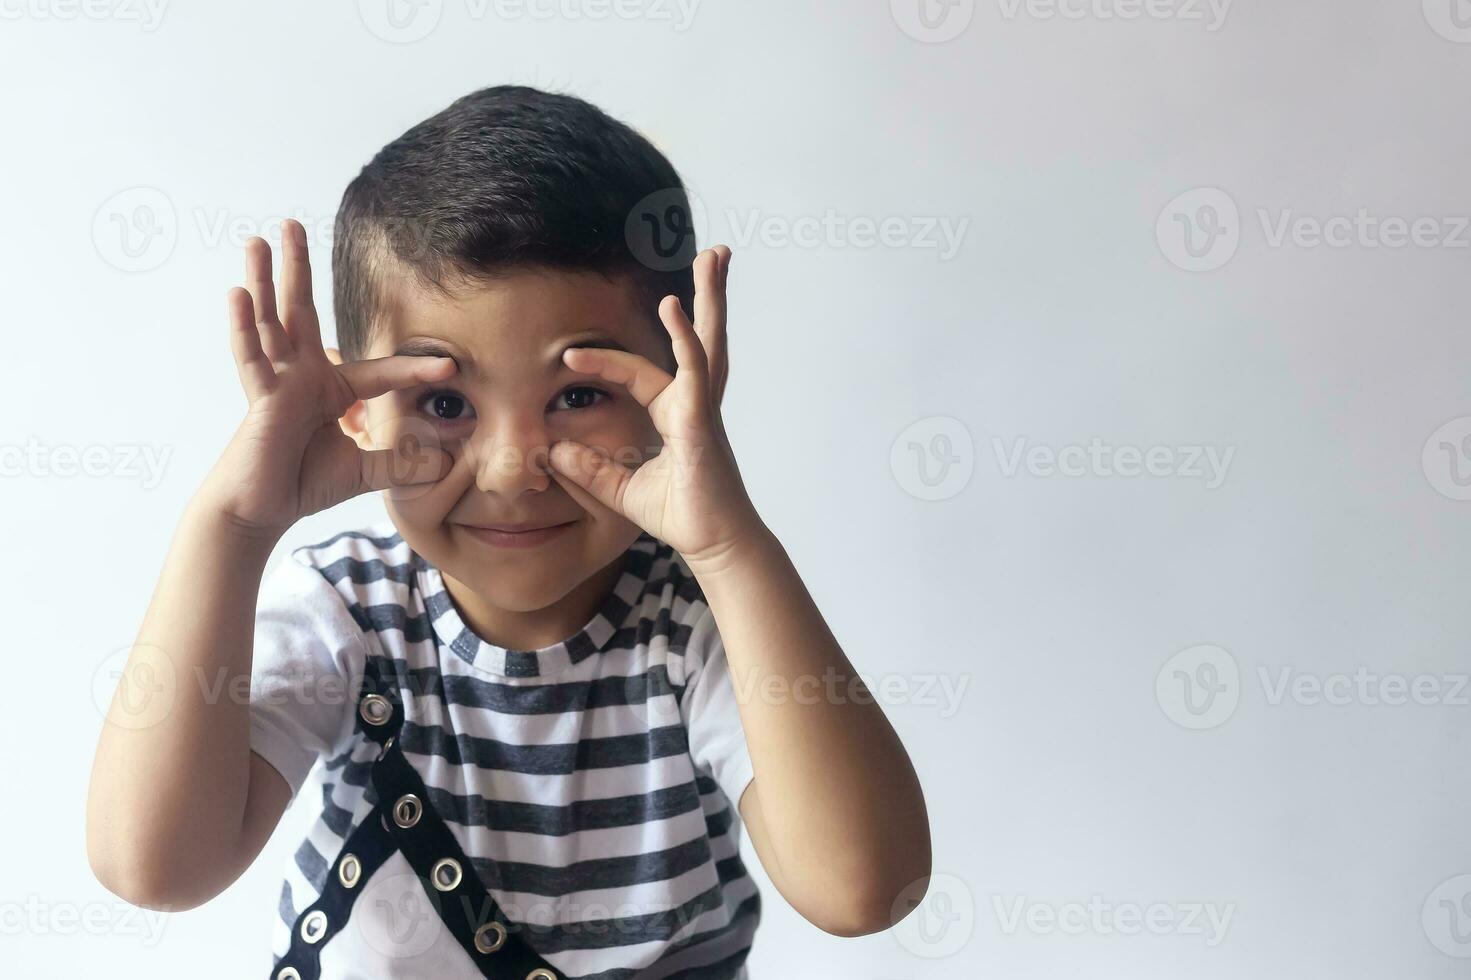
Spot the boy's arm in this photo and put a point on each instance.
(178, 804)
(836, 812)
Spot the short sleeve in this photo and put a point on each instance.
(711, 713)
(306, 665)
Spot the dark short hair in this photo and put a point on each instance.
(510, 177)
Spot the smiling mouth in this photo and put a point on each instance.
(516, 535)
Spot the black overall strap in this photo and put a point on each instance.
(492, 941)
(404, 820)
(363, 853)
(380, 715)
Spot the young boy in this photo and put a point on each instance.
(547, 696)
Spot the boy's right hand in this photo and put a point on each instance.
(290, 458)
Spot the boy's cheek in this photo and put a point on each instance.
(426, 505)
(630, 441)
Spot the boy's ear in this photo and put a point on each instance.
(354, 421)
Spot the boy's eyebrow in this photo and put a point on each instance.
(429, 347)
(425, 347)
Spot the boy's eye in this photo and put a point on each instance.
(446, 406)
(582, 397)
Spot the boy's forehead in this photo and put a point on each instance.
(522, 313)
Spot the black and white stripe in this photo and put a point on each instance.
(593, 803)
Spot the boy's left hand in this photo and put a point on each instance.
(690, 496)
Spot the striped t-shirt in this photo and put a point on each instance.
(593, 784)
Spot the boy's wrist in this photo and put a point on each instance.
(209, 515)
(753, 544)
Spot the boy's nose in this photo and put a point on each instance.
(511, 464)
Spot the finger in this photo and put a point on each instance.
(408, 463)
(256, 374)
(298, 312)
(373, 377)
(710, 311)
(689, 353)
(580, 496)
(263, 296)
(600, 476)
(724, 372)
(643, 378)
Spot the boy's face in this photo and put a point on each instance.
(511, 399)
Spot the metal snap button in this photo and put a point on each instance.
(375, 709)
(490, 937)
(349, 870)
(407, 810)
(314, 926)
(446, 874)
(287, 973)
(540, 974)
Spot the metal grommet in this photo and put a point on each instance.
(375, 709)
(314, 926)
(386, 746)
(490, 937)
(349, 869)
(540, 974)
(445, 874)
(288, 973)
(407, 810)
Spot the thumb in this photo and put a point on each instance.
(410, 462)
(594, 472)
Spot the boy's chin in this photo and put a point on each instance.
(526, 595)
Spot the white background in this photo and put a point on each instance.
(1335, 540)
